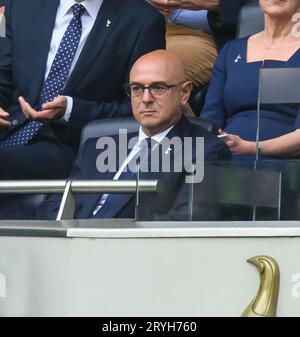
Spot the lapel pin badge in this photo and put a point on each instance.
(108, 23)
(169, 149)
(239, 57)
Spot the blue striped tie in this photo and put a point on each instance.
(56, 79)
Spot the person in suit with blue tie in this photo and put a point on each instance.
(64, 63)
(159, 90)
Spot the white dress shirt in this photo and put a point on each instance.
(2, 23)
(63, 18)
(136, 149)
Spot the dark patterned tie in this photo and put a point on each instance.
(56, 79)
(106, 207)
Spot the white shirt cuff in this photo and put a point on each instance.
(69, 108)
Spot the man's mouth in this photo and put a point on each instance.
(279, 2)
(148, 112)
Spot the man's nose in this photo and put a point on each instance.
(147, 96)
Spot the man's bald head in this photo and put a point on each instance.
(159, 90)
(169, 64)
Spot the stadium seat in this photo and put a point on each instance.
(251, 20)
(197, 99)
(109, 127)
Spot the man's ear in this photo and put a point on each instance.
(186, 92)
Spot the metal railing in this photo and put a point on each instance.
(71, 187)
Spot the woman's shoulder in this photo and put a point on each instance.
(234, 47)
(240, 43)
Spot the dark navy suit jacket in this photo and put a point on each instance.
(96, 83)
(170, 204)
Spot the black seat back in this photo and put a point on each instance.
(110, 127)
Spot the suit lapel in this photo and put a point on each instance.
(44, 21)
(105, 23)
(181, 129)
(87, 203)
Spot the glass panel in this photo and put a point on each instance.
(236, 191)
(290, 187)
(266, 190)
(169, 203)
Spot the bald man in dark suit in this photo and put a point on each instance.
(159, 90)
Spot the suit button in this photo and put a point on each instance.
(14, 122)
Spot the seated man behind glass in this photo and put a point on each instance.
(159, 90)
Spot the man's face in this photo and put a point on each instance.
(157, 111)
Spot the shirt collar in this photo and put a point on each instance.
(158, 138)
(92, 7)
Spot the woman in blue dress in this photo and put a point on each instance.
(232, 96)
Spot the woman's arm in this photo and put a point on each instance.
(210, 5)
(214, 108)
(193, 19)
(284, 146)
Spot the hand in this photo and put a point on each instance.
(237, 145)
(50, 111)
(3, 119)
(222, 135)
(210, 5)
(163, 6)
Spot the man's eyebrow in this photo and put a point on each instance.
(136, 83)
(153, 83)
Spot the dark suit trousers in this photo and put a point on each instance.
(42, 159)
